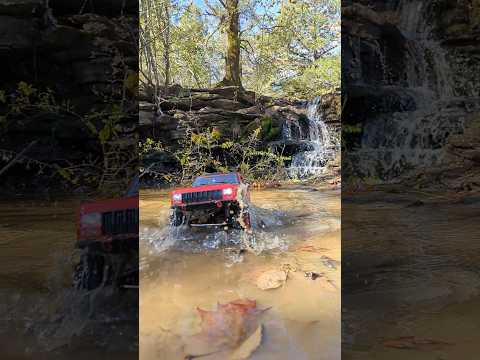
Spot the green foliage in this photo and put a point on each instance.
(149, 146)
(319, 78)
(131, 82)
(295, 55)
(266, 124)
(288, 48)
(66, 173)
(350, 134)
(268, 129)
(202, 152)
(25, 89)
(179, 42)
(192, 53)
(352, 129)
(26, 100)
(273, 133)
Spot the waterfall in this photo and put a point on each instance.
(394, 143)
(318, 146)
(425, 51)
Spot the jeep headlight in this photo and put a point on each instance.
(91, 219)
(177, 197)
(227, 191)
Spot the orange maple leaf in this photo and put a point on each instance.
(232, 321)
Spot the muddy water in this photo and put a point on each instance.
(41, 316)
(418, 278)
(296, 230)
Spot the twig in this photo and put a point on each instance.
(191, 357)
(10, 164)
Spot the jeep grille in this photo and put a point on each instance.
(201, 196)
(120, 222)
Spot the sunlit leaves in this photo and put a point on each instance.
(297, 55)
(289, 48)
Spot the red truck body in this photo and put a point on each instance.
(118, 221)
(107, 234)
(213, 200)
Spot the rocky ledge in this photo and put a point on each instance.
(233, 113)
(85, 53)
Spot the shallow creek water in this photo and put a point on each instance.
(41, 316)
(413, 290)
(296, 230)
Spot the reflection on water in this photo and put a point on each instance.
(418, 277)
(41, 316)
(296, 231)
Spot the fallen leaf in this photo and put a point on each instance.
(311, 248)
(414, 343)
(230, 323)
(246, 349)
(271, 279)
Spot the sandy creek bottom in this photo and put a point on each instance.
(412, 290)
(296, 230)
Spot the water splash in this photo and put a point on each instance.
(183, 238)
(318, 145)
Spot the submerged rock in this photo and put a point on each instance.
(271, 279)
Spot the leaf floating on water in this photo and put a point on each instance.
(414, 343)
(311, 248)
(230, 322)
(248, 347)
(271, 279)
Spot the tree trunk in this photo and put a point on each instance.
(232, 58)
(167, 44)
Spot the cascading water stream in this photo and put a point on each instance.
(393, 143)
(428, 68)
(318, 145)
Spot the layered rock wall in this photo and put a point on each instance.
(410, 77)
(85, 54)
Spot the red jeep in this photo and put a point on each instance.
(218, 200)
(107, 234)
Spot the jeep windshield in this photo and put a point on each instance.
(216, 179)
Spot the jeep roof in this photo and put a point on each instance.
(217, 178)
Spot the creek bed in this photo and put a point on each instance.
(297, 230)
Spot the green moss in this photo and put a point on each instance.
(270, 129)
(302, 117)
(273, 133)
(266, 124)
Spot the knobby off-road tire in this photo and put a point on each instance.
(176, 218)
(89, 272)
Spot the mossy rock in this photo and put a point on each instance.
(273, 133)
(266, 123)
(302, 117)
(271, 128)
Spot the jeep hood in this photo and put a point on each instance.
(109, 205)
(205, 188)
